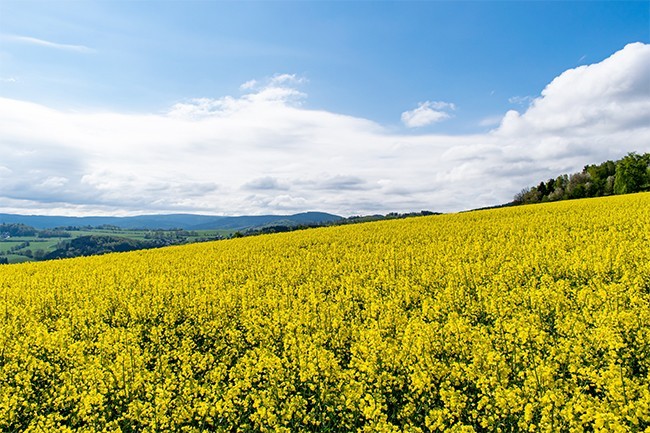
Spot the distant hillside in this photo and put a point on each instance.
(251, 222)
(173, 221)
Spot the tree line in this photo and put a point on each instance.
(628, 175)
(281, 228)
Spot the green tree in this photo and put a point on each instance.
(631, 174)
(527, 196)
(559, 186)
(599, 175)
(17, 230)
(577, 186)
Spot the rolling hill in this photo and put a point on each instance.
(172, 221)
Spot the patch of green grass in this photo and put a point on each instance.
(44, 244)
(15, 258)
(7, 245)
(131, 234)
(47, 244)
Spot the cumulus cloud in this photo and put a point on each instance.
(264, 151)
(608, 96)
(427, 113)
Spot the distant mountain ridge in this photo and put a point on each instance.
(173, 221)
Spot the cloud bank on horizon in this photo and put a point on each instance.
(265, 151)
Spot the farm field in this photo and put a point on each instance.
(19, 249)
(532, 318)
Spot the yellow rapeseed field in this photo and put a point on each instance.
(534, 318)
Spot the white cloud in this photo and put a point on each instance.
(258, 96)
(490, 121)
(264, 152)
(427, 113)
(520, 100)
(248, 85)
(54, 182)
(607, 96)
(266, 183)
(48, 44)
(284, 79)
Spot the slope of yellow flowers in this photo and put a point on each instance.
(535, 318)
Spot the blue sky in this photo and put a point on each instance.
(439, 76)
